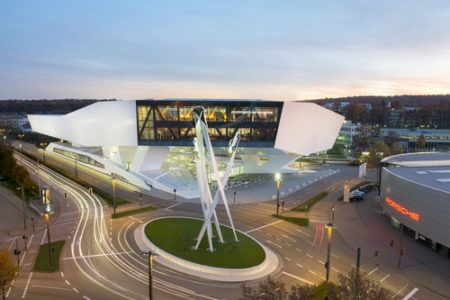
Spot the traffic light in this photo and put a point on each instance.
(402, 252)
(326, 265)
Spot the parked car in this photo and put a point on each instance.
(357, 193)
(356, 198)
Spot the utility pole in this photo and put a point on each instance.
(358, 258)
(278, 178)
(400, 250)
(150, 275)
(48, 237)
(114, 196)
(23, 209)
(234, 197)
(329, 226)
(174, 194)
(17, 253)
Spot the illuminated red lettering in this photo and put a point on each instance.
(403, 210)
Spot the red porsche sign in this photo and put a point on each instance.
(402, 209)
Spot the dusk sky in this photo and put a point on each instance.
(281, 50)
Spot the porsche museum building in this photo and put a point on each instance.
(415, 195)
(149, 143)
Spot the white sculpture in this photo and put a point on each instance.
(207, 202)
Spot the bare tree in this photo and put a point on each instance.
(301, 292)
(7, 270)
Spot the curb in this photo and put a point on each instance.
(171, 261)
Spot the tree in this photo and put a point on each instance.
(301, 292)
(8, 270)
(377, 152)
(421, 142)
(396, 149)
(268, 289)
(355, 112)
(356, 286)
(392, 137)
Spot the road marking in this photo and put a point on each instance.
(10, 287)
(336, 270)
(410, 294)
(298, 278)
(278, 239)
(68, 283)
(86, 297)
(172, 206)
(287, 258)
(400, 290)
(307, 254)
(289, 238)
(29, 241)
(136, 219)
(270, 224)
(75, 290)
(320, 261)
(335, 256)
(26, 286)
(43, 236)
(270, 242)
(299, 265)
(310, 243)
(51, 287)
(62, 274)
(385, 277)
(287, 244)
(298, 250)
(368, 274)
(311, 272)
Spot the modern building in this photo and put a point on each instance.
(415, 194)
(436, 139)
(149, 143)
(348, 132)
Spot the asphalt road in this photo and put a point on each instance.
(100, 259)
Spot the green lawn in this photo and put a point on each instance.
(132, 212)
(306, 206)
(176, 236)
(297, 221)
(42, 263)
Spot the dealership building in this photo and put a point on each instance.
(415, 194)
(149, 143)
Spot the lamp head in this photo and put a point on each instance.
(277, 176)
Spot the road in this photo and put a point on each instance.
(101, 261)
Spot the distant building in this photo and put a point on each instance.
(13, 121)
(348, 132)
(436, 139)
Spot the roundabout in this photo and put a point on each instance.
(172, 239)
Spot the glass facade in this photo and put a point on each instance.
(171, 122)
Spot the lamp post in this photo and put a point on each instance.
(150, 270)
(23, 208)
(114, 196)
(48, 237)
(278, 179)
(330, 227)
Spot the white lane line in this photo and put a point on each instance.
(385, 277)
(368, 274)
(336, 270)
(400, 290)
(410, 294)
(298, 250)
(26, 286)
(270, 242)
(96, 255)
(308, 235)
(62, 274)
(287, 258)
(310, 256)
(320, 261)
(267, 225)
(311, 272)
(289, 238)
(29, 241)
(298, 278)
(10, 287)
(136, 219)
(43, 236)
(172, 206)
(278, 239)
(335, 256)
(299, 265)
(310, 243)
(287, 244)
(86, 297)
(75, 290)
(50, 287)
(68, 283)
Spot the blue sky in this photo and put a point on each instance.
(282, 50)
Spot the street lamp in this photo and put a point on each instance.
(329, 226)
(23, 208)
(150, 270)
(47, 210)
(278, 179)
